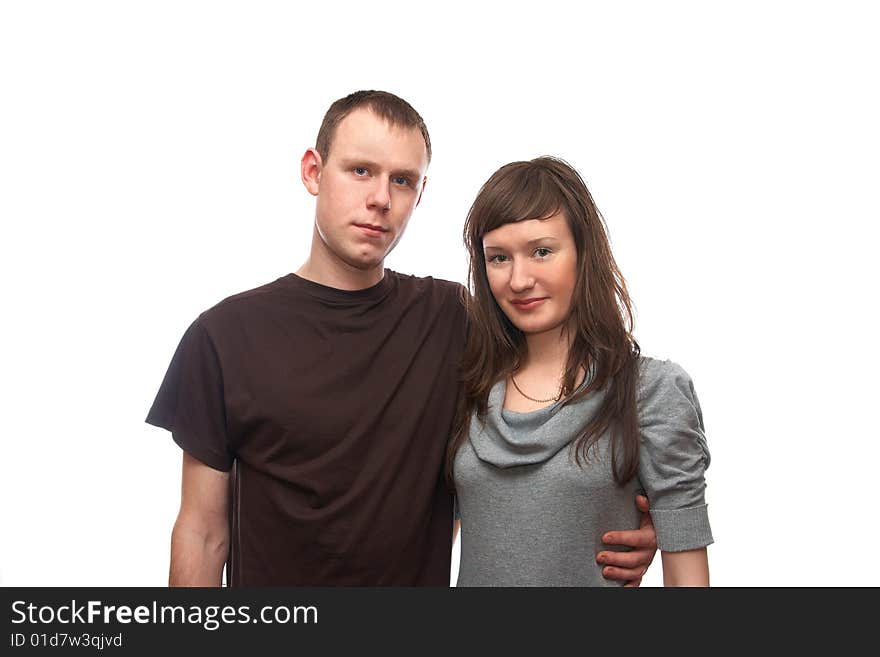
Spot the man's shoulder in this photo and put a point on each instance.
(429, 284)
(247, 301)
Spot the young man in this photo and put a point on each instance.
(329, 394)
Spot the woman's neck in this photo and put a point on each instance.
(538, 380)
(547, 352)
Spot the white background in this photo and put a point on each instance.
(149, 168)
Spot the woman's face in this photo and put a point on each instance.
(531, 266)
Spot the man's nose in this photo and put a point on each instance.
(380, 194)
(521, 278)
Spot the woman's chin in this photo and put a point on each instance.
(537, 328)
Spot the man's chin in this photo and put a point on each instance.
(365, 262)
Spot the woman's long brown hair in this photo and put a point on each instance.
(601, 319)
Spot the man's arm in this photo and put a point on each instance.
(630, 566)
(200, 539)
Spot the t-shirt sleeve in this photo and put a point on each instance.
(190, 403)
(673, 456)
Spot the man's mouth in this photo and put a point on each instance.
(371, 230)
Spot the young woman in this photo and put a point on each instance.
(562, 420)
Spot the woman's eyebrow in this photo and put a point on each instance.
(546, 238)
(537, 240)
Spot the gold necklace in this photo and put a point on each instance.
(540, 401)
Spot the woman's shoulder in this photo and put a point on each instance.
(660, 377)
(670, 417)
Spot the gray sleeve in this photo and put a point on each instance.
(673, 456)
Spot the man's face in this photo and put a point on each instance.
(368, 187)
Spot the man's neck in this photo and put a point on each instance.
(339, 278)
(326, 268)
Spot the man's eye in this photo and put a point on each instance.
(541, 252)
(360, 171)
(401, 180)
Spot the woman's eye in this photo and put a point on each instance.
(541, 252)
(497, 258)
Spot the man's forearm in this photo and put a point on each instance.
(197, 557)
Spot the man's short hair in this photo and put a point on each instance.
(396, 111)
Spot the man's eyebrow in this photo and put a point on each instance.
(412, 174)
(358, 161)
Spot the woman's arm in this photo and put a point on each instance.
(688, 568)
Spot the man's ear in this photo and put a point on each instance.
(422, 191)
(310, 170)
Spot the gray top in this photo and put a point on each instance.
(530, 516)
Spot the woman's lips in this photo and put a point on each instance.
(528, 304)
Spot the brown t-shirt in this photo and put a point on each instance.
(334, 408)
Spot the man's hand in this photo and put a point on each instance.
(630, 566)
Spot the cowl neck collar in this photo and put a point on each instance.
(507, 438)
